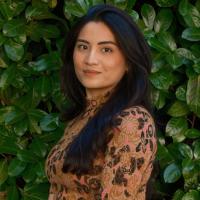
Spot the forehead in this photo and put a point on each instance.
(98, 31)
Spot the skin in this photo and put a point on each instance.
(98, 60)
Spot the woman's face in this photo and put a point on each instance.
(98, 61)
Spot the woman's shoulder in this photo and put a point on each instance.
(134, 129)
(136, 116)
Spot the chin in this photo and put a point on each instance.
(92, 85)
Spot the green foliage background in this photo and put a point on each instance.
(31, 37)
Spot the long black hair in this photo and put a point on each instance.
(132, 89)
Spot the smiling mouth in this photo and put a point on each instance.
(91, 72)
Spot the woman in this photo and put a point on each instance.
(108, 147)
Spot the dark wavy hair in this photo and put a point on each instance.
(132, 89)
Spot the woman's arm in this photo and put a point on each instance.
(128, 161)
(52, 191)
(51, 197)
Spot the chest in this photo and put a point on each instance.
(55, 159)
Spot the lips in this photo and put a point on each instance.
(87, 71)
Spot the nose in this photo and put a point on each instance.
(91, 57)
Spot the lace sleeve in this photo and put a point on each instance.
(128, 160)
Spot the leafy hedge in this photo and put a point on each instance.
(31, 37)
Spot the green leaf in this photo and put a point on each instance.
(39, 169)
(6, 10)
(21, 127)
(185, 150)
(14, 116)
(3, 171)
(14, 50)
(33, 125)
(158, 61)
(164, 156)
(94, 2)
(158, 98)
(190, 72)
(50, 31)
(2, 39)
(130, 4)
(181, 93)
(27, 156)
(12, 193)
(38, 13)
(188, 168)
(8, 146)
(183, 7)
(196, 66)
(22, 142)
(37, 114)
(163, 20)
(193, 94)
(52, 136)
(134, 15)
(185, 53)
(38, 147)
(191, 34)
(14, 27)
(148, 33)
(178, 195)
(176, 125)
(52, 3)
(36, 191)
(148, 15)
(7, 76)
(197, 4)
(178, 109)
(192, 133)
(49, 122)
(167, 40)
(195, 16)
(18, 6)
(43, 86)
(174, 60)
(191, 195)
(162, 79)
(172, 173)
(197, 150)
(72, 8)
(49, 61)
(38, 30)
(4, 111)
(29, 101)
(173, 149)
(191, 15)
(21, 39)
(190, 171)
(2, 63)
(18, 81)
(29, 174)
(122, 4)
(16, 167)
(164, 3)
(158, 45)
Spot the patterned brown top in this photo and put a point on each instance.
(124, 170)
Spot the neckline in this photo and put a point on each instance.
(98, 100)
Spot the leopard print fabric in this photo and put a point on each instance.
(122, 173)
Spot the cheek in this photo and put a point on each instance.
(115, 67)
(117, 74)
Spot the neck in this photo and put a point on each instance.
(95, 94)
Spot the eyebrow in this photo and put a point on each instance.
(99, 43)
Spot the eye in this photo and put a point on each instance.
(82, 47)
(106, 50)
